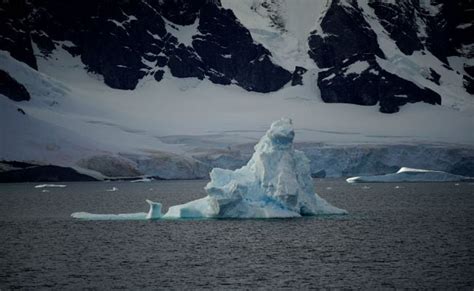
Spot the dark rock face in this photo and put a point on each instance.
(469, 84)
(446, 33)
(182, 12)
(469, 79)
(371, 86)
(185, 64)
(110, 37)
(469, 70)
(349, 50)
(297, 77)
(347, 34)
(228, 50)
(159, 75)
(124, 40)
(14, 33)
(43, 174)
(403, 30)
(434, 77)
(12, 89)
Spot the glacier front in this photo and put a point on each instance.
(275, 183)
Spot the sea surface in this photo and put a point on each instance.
(401, 235)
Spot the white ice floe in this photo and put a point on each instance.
(50, 186)
(113, 189)
(153, 213)
(142, 180)
(275, 183)
(410, 175)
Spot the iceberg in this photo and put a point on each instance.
(275, 183)
(411, 175)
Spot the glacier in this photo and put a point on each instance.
(275, 183)
(406, 174)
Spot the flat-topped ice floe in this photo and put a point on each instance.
(411, 175)
(50, 186)
(275, 183)
(142, 180)
(153, 213)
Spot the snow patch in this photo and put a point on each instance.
(357, 68)
(184, 33)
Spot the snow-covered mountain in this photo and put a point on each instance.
(172, 88)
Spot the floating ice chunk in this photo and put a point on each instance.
(50, 186)
(124, 216)
(113, 189)
(155, 210)
(153, 213)
(142, 180)
(200, 208)
(411, 175)
(276, 182)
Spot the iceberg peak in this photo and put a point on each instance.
(276, 182)
(280, 135)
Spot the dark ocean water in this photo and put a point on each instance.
(418, 235)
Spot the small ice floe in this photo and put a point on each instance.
(113, 189)
(151, 189)
(142, 180)
(411, 175)
(456, 184)
(44, 191)
(153, 213)
(328, 188)
(365, 187)
(50, 186)
(397, 187)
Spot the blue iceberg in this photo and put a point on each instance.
(275, 183)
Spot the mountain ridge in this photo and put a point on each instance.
(209, 105)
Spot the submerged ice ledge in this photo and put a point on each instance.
(275, 183)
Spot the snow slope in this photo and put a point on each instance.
(283, 27)
(177, 128)
(73, 116)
